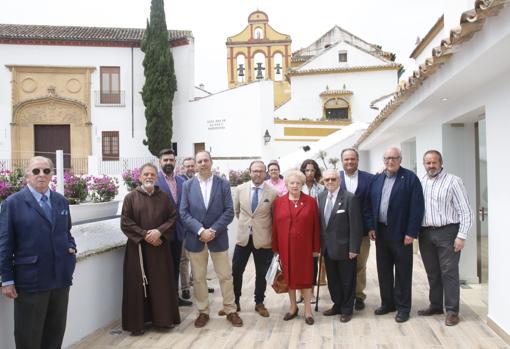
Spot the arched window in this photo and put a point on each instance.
(241, 68)
(259, 33)
(278, 66)
(336, 109)
(259, 66)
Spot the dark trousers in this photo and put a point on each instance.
(262, 258)
(394, 287)
(176, 251)
(341, 283)
(442, 266)
(40, 319)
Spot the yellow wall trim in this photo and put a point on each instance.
(312, 122)
(308, 131)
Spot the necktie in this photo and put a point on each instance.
(254, 199)
(46, 208)
(329, 208)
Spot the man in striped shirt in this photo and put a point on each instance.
(447, 220)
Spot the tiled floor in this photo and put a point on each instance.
(364, 331)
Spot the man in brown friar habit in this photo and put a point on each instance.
(150, 293)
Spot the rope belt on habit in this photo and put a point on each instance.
(144, 277)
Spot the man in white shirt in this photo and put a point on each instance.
(447, 220)
(357, 182)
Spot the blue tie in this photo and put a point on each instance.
(255, 199)
(46, 208)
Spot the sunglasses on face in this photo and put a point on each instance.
(329, 179)
(36, 171)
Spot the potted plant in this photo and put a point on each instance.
(103, 188)
(131, 178)
(11, 182)
(75, 187)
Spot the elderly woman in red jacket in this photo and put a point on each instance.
(296, 237)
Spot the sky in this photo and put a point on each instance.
(393, 24)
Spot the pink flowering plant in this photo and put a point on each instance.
(11, 182)
(76, 188)
(131, 178)
(103, 188)
(238, 177)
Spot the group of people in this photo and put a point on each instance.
(172, 221)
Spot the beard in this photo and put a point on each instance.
(168, 169)
(148, 184)
(433, 172)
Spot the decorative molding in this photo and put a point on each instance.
(499, 331)
(367, 68)
(308, 131)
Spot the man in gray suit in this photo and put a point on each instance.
(206, 210)
(341, 232)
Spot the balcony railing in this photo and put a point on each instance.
(110, 99)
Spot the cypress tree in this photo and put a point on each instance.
(160, 82)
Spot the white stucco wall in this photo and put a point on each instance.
(230, 123)
(306, 101)
(355, 58)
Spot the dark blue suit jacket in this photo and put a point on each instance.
(406, 205)
(217, 215)
(33, 251)
(180, 233)
(364, 180)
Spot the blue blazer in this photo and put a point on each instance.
(180, 234)
(405, 209)
(33, 251)
(217, 215)
(364, 180)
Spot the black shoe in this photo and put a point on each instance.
(383, 310)
(185, 294)
(402, 316)
(184, 303)
(210, 290)
(359, 304)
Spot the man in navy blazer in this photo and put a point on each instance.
(37, 258)
(206, 211)
(397, 203)
(357, 182)
(172, 186)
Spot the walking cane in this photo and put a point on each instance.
(318, 283)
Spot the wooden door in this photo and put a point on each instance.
(199, 147)
(50, 138)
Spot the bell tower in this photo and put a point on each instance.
(259, 52)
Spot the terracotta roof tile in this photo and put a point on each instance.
(71, 33)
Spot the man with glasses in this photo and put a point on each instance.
(253, 207)
(357, 182)
(37, 258)
(397, 203)
(341, 232)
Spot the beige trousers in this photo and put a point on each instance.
(223, 271)
(184, 270)
(361, 269)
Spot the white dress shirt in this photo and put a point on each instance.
(334, 194)
(205, 188)
(351, 182)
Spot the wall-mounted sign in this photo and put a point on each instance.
(216, 124)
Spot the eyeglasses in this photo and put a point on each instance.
(389, 158)
(330, 179)
(36, 171)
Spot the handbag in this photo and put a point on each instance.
(279, 284)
